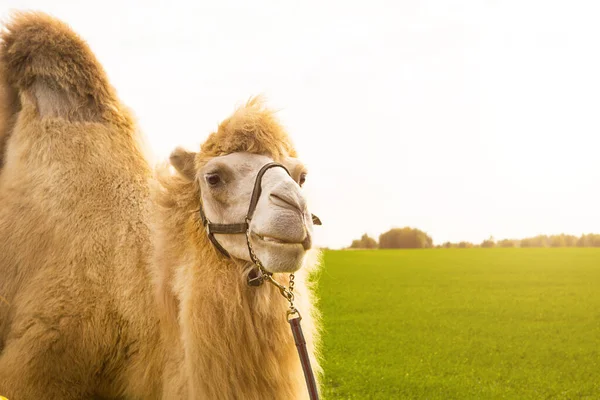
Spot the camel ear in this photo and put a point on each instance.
(183, 161)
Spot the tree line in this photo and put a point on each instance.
(397, 238)
(412, 238)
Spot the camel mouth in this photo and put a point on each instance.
(306, 243)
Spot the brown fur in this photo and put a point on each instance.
(81, 318)
(74, 199)
(46, 59)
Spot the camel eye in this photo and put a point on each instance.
(302, 179)
(213, 179)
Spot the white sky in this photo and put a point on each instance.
(462, 118)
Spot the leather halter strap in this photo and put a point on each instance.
(309, 376)
(212, 228)
(256, 192)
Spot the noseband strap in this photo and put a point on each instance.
(256, 192)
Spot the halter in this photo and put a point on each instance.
(244, 227)
(261, 274)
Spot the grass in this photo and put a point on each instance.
(461, 324)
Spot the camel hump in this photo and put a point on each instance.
(43, 58)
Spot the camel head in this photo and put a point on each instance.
(225, 173)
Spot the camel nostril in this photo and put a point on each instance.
(286, 202)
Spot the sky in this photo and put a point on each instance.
(465, 119)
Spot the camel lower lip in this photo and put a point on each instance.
(271, 239)
(306, 243)
(274, 240)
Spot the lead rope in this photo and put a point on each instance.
(309, 377)
(294, 318)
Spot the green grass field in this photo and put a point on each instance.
(461, 324)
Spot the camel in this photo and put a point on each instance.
(112, 287)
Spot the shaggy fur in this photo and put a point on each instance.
(88, 314)
(73, 221)
(253, 129)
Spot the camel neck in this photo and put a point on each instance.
(236, 339)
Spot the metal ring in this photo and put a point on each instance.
(291, 312)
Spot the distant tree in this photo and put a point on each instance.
(405, 238)
(570, 240)
(557, 241)
(365, 242)
(563, 240)
(507, 243)
(465, 245)
(488, 242)
(369, 242)
(589, 240)
(537, 241)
